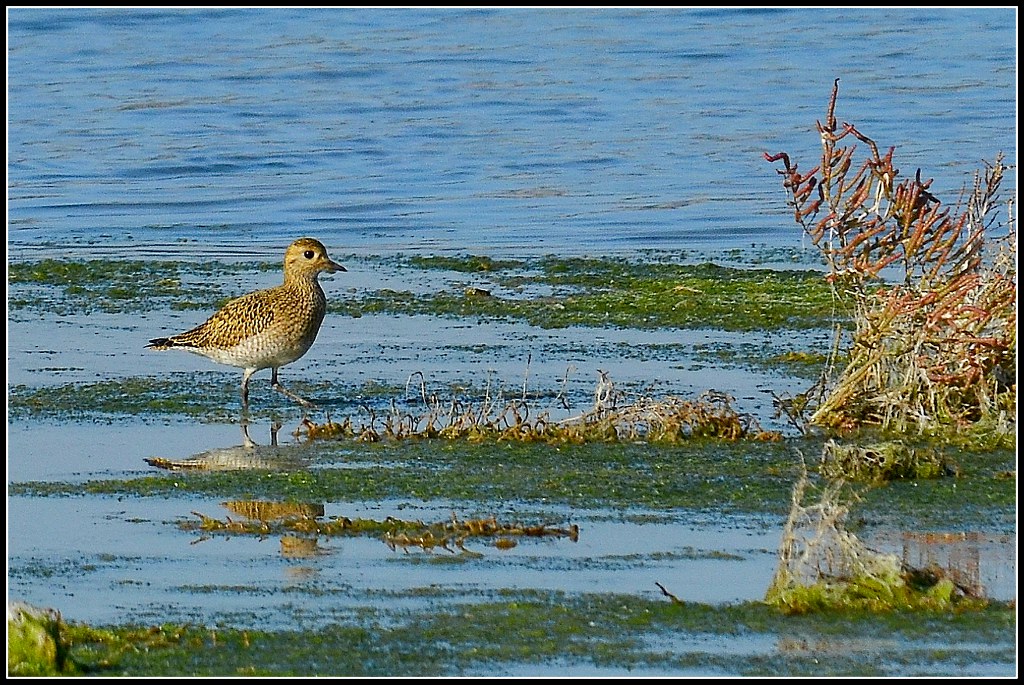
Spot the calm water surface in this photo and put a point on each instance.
(467, 130)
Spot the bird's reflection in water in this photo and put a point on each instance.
(300, 547)
(250, 443)
(266, 517)
(248, 455)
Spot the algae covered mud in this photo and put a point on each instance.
(336, 544)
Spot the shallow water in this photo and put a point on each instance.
(124, 561)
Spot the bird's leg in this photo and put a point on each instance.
(246, 440)
(281, 389)
(246, 375)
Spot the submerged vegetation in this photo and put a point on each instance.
(595, 631)
(619, 293)
(114, 286)
(723, 478)
(701, 475)
(549, 292)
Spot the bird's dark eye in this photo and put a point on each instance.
(308, 254)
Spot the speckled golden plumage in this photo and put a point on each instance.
(266, 329)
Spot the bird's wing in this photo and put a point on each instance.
(236, 321)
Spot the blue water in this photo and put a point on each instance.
(516, 131)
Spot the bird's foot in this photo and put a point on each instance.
(301, 400)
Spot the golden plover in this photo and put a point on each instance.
(266, 329)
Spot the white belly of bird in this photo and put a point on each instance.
(261, 351)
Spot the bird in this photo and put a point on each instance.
(266, 329)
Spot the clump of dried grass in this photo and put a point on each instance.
(613, 417)
(664, 420)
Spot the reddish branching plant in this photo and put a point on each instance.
(933, 288)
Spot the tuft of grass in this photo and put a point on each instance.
(658, 421)
(825, 567)
(882, 462)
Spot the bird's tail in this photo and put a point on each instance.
(161, 344)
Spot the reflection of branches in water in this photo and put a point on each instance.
(454, 533)
(262, 518)
(300, 547)
(396, 533)
(884, 461)
(275, 511)
(612, 417)
(957, 555)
